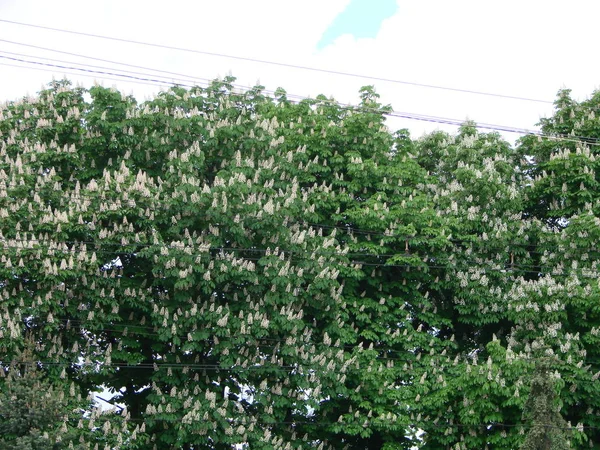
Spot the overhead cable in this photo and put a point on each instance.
(274, 63)
(152, 80)
(401, 115)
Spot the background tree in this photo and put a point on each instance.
(36, 413)
(30, 410)
(548, 428)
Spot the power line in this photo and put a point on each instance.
(401, 115)
(78, 74)
(167, 79)
(408, 116)
(371, 423)
(318, 422)
(351, 230)
(502, 267)
(300, 367)
(413, 239)
(140, 246)
(79, 55)
(457, 264)
(462, 356)
(130, 329)
(87, 70)
(279, 64)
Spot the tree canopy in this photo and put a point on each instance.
(240, 269)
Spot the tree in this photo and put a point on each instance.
(191, 261)
(29, 408)
(244, 270)
(475, 185)
(548, 428)
(36, 413)
(562, 193)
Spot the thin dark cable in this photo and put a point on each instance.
(78, 55)
(384, 422)
(401, 115)
(88, 70)
(318, 422)
(46, 244)
(40, 244)
(139, 246)
(279, 64)
(514, 270)
(80, 74)
(302, 366)
(414, 239)
(504, 267)
(169, 80)
(462, 356)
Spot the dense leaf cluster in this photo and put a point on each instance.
(247, 270)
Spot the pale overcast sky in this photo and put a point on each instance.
(524, 48)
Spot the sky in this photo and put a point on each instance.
(527, 49)
(358, 19)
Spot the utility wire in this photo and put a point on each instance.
(11, 243)
(463, 356)
(303, 366)
(396, 114)
(459, 266)
(301, 369)
(79, 74)
(416, 239)
(168, 79)
(101, 72)
(318, 422)
(79, 55)
(273, 63)
(516, 269)
(261, 346)
(402, 115)
(411, 240)
(371, 423)
(502, 266)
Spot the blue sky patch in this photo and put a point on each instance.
(361, 19)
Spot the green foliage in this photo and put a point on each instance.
(245, 270)
(548, 428)
(28, 409)
(36, 413)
